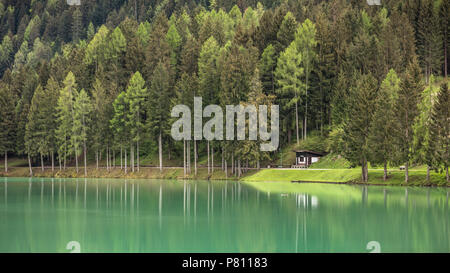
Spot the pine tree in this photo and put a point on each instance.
(267, 66)
(65, 115)
(407, 110)
(208, 73)
(81, 118)
(158, 105)
(136, 95)
(286, 33)
(440, 130)
(7, 122)
(384, 127)
(306, 46)
(362, 99)
(77, 25)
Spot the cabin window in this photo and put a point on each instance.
(301, 159)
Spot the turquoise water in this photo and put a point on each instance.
(116, 215)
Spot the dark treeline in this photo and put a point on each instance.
(99, 80)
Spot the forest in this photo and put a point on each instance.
(94, 84)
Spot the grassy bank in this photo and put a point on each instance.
(351, 176)
(144, 173)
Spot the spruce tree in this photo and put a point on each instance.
(7, 122)
(356, 135)
(384, 127)
(440, 130)
(407, 110)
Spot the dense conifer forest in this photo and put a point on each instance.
(94, 84)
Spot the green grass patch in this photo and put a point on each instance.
(331, 161)
(336, 175)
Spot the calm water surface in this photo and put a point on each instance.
(114, 215)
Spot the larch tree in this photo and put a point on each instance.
(65, 117)
(158, 105)
(288, 75)
(7, 122)
(440, 130)
(384, 127)
(136, 94)
(407, 110)
(82, 108)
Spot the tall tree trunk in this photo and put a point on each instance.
(125, 160)
(138, 157)
(184, 157)
(29, 165)
(53, 161)
(306, 108)
(223, 158)
(385, 171)
(59, 159)
(296, 121)
(232, 162)
(6, 162)
(76, 159)
(239, 167)
(428, 173)
(446, 174)
(121, 157)
(96, 158)
(212, 159)
(207, 145)
(107, 158)
(406, 172)
(160, 152)
(195, 156)
(114, 158)
(85, 159)
(226, 170)
(42, 162)
(132, 156)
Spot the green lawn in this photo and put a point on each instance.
(336, 175)
(417, 178)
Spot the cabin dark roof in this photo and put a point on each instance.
(310, 152)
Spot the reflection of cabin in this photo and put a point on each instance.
(304, 159)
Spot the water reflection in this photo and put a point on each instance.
(206, 216)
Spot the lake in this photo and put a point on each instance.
(117, 215)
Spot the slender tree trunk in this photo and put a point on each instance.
(195, 156)
(138, 157)
(446, 174)
(125, 160)
(385, 171)
(428, 173)
(239, 167)
(189, 156)
(42, 162)
(132, 156)
(223, 158)
(258, 166)
(406, 172)
(96, 157)
(208, 155)
(212, 159)
(184, 157)
(53, 161)
(160, 152)
(6, 162)
(232, 162)
(121, 157)
(29, 165)
(226, 169)
(296, 121)
(107, 158)
(59, 159)
(114, 158)
(306, 108)
(76, 159)
(85, 159)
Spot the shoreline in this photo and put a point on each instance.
(218, 174)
